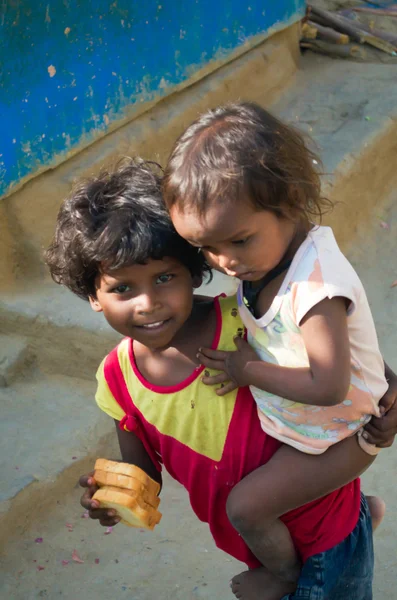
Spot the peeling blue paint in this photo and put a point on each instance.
(73, 67)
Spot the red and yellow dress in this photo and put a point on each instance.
(209, 444)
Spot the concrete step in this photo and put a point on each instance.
(14, 355)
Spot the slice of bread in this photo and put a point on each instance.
(133, 511)
(106, 478)
(120, 468)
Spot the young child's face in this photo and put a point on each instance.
(148, 303)
(237, 239)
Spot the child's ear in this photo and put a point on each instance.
(197, 280)
(95, 304)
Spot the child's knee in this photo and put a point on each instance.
(237, 511)
(244, 512)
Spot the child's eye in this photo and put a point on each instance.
(121, 289)
(240, 242)
(165, 278)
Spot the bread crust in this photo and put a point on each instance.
(132, 509)
(120, 468)
(106, 479)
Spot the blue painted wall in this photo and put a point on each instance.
(72, 67)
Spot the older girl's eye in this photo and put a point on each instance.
(121, 289)
(164, 278)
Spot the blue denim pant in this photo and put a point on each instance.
(343, 573)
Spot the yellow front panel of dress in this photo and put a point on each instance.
(195, 416)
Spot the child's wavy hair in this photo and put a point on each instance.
(115, 220)
(241, 151)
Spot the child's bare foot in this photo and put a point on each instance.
(377, 508)
(259, 584)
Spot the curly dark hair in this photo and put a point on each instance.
(241, 150)
(115, 220)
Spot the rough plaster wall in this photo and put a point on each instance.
(74, 70)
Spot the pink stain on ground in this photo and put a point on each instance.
(39, 540)
(76, 557)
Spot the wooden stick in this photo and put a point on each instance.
(329, 35)
(334, 50)
(351, 29)
(339, 23)
(384, 35)
(376, 42)
(382, 12)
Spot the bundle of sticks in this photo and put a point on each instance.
(337, 35)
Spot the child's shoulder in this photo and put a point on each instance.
(319, 271)
(221, 302)
(228, 322)
(110, 379)
(111, 362)
(321, 261)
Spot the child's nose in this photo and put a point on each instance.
(227, 262)
(146, 303)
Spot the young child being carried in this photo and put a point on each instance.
(116, 247)
(242, 187)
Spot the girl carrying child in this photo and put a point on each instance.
(115, 247)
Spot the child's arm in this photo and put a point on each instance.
(132, 452)
(324, 383)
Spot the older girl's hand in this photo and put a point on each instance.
(106, 517)
(381, 431)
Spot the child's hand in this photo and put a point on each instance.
(107, 518)
(381, 431)
(232, 364)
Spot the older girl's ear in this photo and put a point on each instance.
(95, 304)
